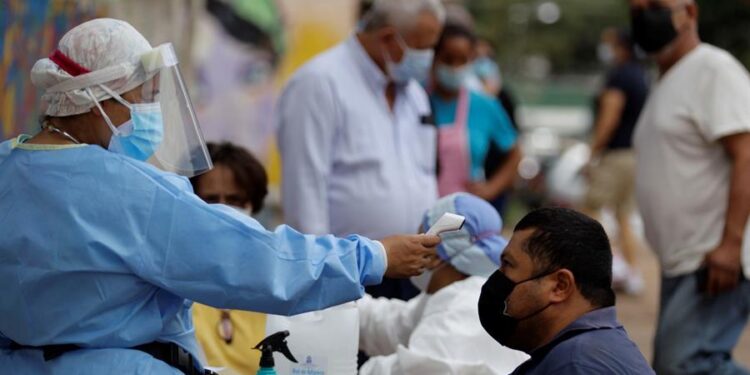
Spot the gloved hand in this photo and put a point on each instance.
(410, 255)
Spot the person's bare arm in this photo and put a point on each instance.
(611, 106)
(725, 262)
(502, 180)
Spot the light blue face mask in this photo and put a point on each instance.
(415, 63)
(452, 78)
(486, 68)
(139, 137)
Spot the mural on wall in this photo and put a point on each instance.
(236, 55)
(243, 52)
(237, 48)
(30, 30)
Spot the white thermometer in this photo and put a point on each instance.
(447, 223)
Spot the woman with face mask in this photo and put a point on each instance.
(237, 180)
(469, 123)
(226, 336)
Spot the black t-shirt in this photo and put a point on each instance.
(632, 80)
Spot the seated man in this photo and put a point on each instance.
(227, 336)
(552, 298)
(438, 331)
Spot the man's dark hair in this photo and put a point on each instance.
(248, 172)
(453, 30)
(565, 238)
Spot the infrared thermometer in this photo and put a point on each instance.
(447, 223)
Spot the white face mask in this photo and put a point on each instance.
(243, 210)
(605, 53)
(422, 281)
(414, 64)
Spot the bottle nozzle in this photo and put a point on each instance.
(274, 343)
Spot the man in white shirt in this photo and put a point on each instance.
(693, 188)
(358, 154)
(439, 331)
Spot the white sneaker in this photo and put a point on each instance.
(620, 272)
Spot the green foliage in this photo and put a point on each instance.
(570, 44)
(726, 23)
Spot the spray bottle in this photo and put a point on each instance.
(273, 343)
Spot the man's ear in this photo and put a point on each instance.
(689, 17)
(692, 10)
(564, 286)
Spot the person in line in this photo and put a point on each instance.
(237, 180)
(353, 131)
(487, 72)
(692, 146)
(438, 331)
(103, 246)
(552, 298)
(611, 169)
(468, 122)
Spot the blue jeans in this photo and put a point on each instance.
(696, 333)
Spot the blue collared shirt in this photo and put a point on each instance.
(596, 343)
(351, 164)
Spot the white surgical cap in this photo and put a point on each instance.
(109, 49)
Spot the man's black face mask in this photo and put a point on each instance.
(653, 28)
(492, 306)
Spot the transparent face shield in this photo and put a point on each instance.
(182, 149)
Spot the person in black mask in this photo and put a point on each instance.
(552, 298)
(692, 145)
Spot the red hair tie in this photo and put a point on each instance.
(67, 64)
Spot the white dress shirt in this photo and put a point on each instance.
(350, 163)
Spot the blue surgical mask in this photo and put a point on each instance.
(486, 68)
(452, 78)
(139, 137)
(243, 210)
(415, 64)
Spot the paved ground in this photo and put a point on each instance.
(638, 314)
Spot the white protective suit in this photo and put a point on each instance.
(432, 334)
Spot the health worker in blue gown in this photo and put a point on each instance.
(103, 244)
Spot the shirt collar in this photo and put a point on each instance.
(20, 139)
(600, 318)
(604, 318)
(370, 71)
(20, 143)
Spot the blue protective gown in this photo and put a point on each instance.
(107, 252)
